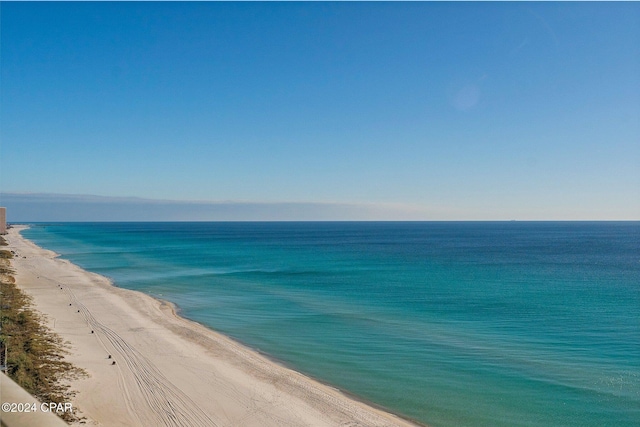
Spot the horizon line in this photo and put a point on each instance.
(38, 207)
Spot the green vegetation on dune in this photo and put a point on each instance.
(35, 355)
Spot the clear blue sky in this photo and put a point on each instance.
(445, 110)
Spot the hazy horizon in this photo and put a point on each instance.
(31, 207)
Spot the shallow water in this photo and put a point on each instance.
(452, 324)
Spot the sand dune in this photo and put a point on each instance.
(169, 371)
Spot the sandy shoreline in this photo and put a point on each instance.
(169, 371)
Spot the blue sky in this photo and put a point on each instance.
(438, 110)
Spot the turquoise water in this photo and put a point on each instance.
(452, 324)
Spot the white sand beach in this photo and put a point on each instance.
(168, 371)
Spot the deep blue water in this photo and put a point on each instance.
(452, 324)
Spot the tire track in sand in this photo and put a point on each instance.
(169, 406)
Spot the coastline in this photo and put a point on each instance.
(169, 370)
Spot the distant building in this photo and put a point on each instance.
(3, 220)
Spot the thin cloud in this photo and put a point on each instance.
(42, 207)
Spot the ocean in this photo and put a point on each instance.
(449, 323)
